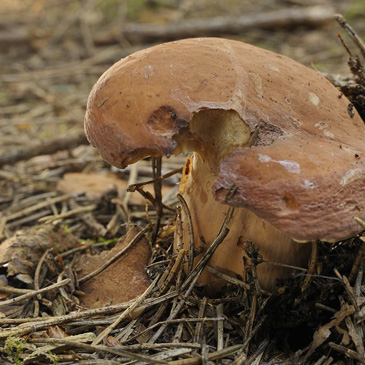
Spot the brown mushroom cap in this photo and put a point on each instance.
(303, 172)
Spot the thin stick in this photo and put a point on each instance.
(38, 206)
(360, 221)
(132, 178)
(178, 333)
(212, 356)
(228, 278)
(288, 17)
(126, 313)
(36, 324)
(70, 213)
(250, 321)
(347, 352)
(351, 32)
(173, 321)
(106, 349)
(220, 328)
(285, 265)
(359, 260)
(194, 275)
(136, 238)
(10, 289)
(210, 251)
(172, 274)
(34, 293)
(344, 45)
(312, 266)
(179, 230)
(199, 325)
(189, 223)
(242, 356)
(136, 347)
(359, 277)
(132, 187)
(36, 282)
(44, 148)
(157, 187)
(348, 288)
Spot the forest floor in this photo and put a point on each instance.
(64, 212)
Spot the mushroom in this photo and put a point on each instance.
(273, 129)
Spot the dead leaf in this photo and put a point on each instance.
(59, 306)
(47, 161)
(112, 342)
(322, 334)
(23, 250)
(356, 335)
(140, 327)
(56, 332)
(94, 185)
(97, 184)
(123, 280)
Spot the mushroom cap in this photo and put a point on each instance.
(304, 171)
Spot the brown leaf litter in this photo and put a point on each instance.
(123, 280)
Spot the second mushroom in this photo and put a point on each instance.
(274, 130)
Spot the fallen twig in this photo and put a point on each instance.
(284, 18)
(351, 32)
(34, 293)
(44, 148)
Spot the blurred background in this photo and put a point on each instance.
(53, 51)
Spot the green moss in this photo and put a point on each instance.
(67, 229)
(14, 346)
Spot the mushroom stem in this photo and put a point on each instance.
(230, 257)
